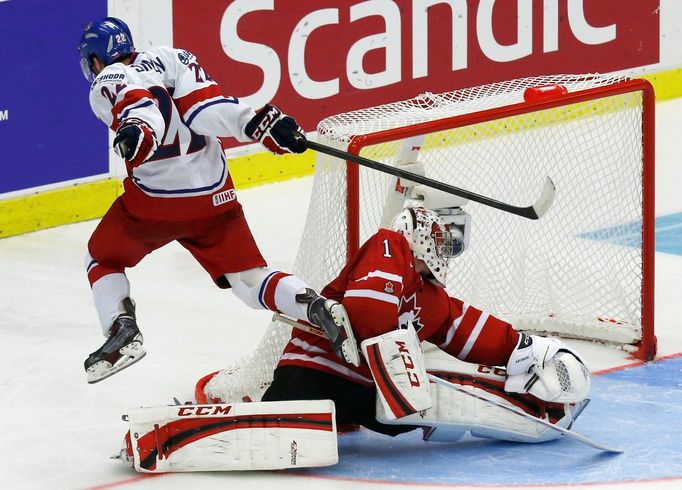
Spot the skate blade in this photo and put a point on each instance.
(130, 354)
(349, 346)
(350, 352)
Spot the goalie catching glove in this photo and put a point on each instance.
(276, 131)
(548, 369)
(135, 141)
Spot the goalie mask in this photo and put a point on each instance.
(430, 239)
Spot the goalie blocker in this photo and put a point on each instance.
(239, 436)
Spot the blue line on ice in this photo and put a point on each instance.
(668, 234)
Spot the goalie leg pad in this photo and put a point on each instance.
(453, 413)
(396, 362)
(240, 436)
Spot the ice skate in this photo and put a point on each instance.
(122, 349)
(331, 317)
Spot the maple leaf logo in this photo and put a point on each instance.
(410, 312)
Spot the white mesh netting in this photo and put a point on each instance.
(576, 272)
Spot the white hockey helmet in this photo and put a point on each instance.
(430, 239)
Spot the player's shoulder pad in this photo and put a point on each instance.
(112, 74)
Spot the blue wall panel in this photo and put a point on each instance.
(50, 134)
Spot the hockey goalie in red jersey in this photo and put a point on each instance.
(392, 289)
(167, 114)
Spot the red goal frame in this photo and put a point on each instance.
(646, 350)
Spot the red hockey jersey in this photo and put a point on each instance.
(382, 291)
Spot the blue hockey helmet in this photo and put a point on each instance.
(108, 39)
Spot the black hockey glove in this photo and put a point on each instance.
(135, 141)
(276, 131)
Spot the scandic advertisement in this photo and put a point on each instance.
(324, 57)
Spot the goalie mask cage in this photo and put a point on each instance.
(584, 270)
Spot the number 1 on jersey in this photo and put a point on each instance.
(387, 251)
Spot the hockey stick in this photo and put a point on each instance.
(299, 325)
(567, 432)
(534, 211)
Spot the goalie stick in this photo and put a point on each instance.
(534, 211)
(567, 432)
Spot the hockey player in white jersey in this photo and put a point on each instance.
(167, 114)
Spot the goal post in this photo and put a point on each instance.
(584, 270)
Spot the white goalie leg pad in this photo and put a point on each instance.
(548, 369)
(397, 365)
(453, 413)
(240, 436)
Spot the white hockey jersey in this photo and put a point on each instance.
(187, 177)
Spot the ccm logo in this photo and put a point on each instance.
(409, 364)
(196, 410)
(491, 370)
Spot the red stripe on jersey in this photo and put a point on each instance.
(99, 271)
(184, 103)
(379, 284)
(398, 404)
(466, 326)
(129, 98)
(271, 288)
(494, 344)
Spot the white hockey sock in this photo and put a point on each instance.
(269, 289)
(108, 291)
(285, 297)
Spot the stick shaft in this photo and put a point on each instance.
(534, 211)
(521, 413)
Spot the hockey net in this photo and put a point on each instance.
(584, 270)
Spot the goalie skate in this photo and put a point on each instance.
(331, 317)
(122, 349)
